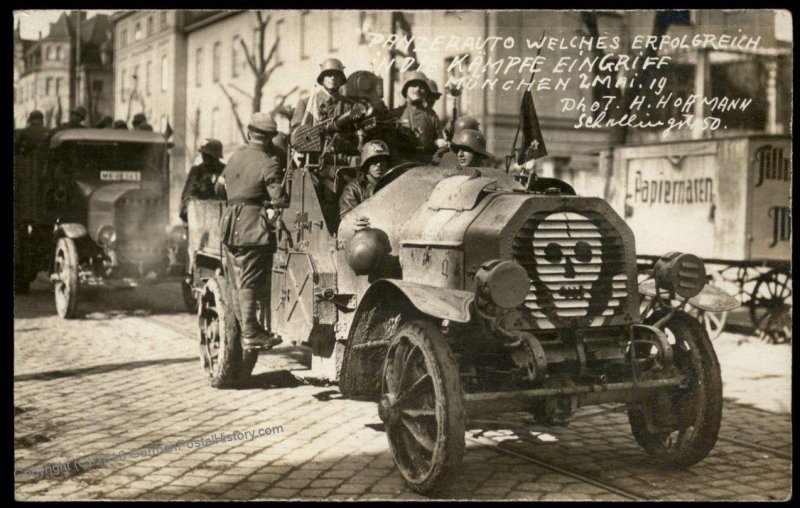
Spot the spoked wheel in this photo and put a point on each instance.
(66, 285)
(221, 354)
(187, 291)
(422, 406)
(679, 425)
(714, 322)
(771, 307)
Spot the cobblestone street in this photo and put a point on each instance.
(126, 376)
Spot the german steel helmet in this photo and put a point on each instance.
(138, 118)
(466, 122)
(80, 111)
(471, 139)
(415, 77)
(212, 147)
(372, 149)
(262, 123)
(331, 66)
(434, 88)
(281, 141)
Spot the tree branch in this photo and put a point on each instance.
(271, 54)
(268, 74)
(235, 112)
(249, 57)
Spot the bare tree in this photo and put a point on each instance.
(235, 110)
(261, 62)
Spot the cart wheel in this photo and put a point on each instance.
(679, 425)
(66, 288)
(187, 291)
(221, 354)
(771, 307)
(714, 322)
(422, 406)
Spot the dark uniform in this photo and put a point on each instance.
(328, 106)
(355, 193)
(29, 148)
(200, 183)
(419, 128)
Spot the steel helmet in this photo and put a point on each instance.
(138, 118)
(415, 77)
(466, 122)
(36, 115)
(470, 139)
(331, 66)
(434, 88)
(262, 123)
(212, 147)
(372, 149)
(80, 111)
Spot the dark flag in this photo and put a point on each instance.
(532, 140)
(167, 130)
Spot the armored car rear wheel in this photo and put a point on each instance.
(221, 354)
(679, 425)
(422, 406)
(66, 284)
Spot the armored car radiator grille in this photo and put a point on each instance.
(576, 264)
(140, 224)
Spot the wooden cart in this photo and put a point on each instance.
(726, 200)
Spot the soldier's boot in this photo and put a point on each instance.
(254, 336)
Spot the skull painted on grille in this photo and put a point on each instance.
(568, 252)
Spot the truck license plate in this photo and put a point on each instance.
(126, 176)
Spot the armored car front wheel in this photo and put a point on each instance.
(679, 425)
(221, 354)
(66, 278)
(422, 406)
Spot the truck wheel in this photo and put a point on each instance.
(771, 307)
(422, 406)
(679, 425)
(66, 287)
(187, 291)
(221, 354)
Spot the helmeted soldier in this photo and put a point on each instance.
(470, 147)
(104, 123)
(326, 102)
(203, 177)
(30, 147)
(120, 124)
(251, 179)
(76, 118)
(375, 159)
(28, 139)
(449, 158)
(419, 125)
(140, 123)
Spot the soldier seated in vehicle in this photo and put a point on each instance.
(419, 125)
(446, 157)
(470, 147)
(375, 159)
(326, 103)
(203, 177)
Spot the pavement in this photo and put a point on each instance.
(114, 405)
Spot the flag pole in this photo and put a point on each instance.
(516, 135)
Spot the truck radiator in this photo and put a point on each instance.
(577, 266)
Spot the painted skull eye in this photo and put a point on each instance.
(583, 252)
(552, 253)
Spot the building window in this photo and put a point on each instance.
(198, 66)
(51, 53)
(278, 35)
(215, 127)
(164, 73)
(47, 84)
(215, 56)
(58, 87)
(137, 32)
(149, 25)
(122, 86)
(59, 53)
(235, 56)
(163, 19)
(123, 38)
(305, 34)
(163, 123)
(147, 70)
(333, 25)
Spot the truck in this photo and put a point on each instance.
(465, 293)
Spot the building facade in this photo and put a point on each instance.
(149, 76)
(52, 79)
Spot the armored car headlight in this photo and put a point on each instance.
(107, 236)
(683, 273)
(504, 283)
